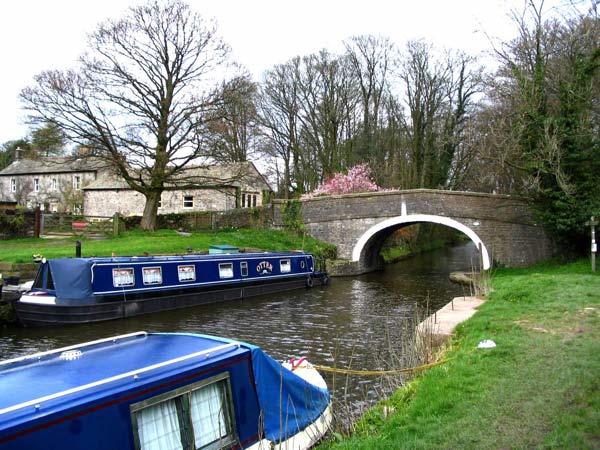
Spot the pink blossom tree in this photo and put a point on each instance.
(358, 179)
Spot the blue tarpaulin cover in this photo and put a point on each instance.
(72, 278)
(288, 402)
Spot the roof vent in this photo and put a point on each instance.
(70, 355)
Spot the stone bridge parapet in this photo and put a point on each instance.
(502, 226)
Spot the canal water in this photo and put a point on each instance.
(363, 322)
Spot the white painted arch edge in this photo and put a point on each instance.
(415, 218)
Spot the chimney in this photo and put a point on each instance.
(18, 153)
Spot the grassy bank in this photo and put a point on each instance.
(539, 388)
(161, 242)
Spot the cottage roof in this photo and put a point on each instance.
(55, 164)
(234, 174)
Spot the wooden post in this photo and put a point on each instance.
(37, 222)
(116, 224)
(593, 222)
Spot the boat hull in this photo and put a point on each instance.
(34, 314)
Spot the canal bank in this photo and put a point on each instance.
(439, 326)
(537, 388)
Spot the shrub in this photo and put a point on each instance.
(358, 179)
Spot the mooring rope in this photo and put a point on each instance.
(380, 372)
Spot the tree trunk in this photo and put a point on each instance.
(150, 210)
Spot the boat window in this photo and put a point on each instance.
(123, 277)
(285, 266)
(244, 268)
(187, 273)
(200, 415)
(226, 270)
(152, 275)
(208, 407)
(158, 427)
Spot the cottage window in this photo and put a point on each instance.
(13, 185)
(188, 201)
(285, 266)
(152, 275)
(77, 208)
(226, 270)
(248, 200)
(76, 182)
(187, 273)
(198, 416)
(54, 184)
(36, 185)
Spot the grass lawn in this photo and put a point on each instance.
(539, 388)
(161, 242)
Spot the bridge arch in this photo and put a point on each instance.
(369, 234)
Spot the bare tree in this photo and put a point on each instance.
(326, 101)
(279, 111)
(439, 97)
(371, 58)
(232, 135)
(140, 96)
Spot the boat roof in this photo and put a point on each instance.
(190, 256)
(72, 374)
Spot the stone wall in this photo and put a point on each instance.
(505, 224)
(105, 202)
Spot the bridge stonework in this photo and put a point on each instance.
(359, 223)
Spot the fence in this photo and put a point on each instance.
(261, 217)
(27, 223)
(71, 224)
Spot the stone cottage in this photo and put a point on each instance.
(216, 188)
(53, 183)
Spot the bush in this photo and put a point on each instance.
(357, 180)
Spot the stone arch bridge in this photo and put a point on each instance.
(501, 226)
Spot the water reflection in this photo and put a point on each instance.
(355, 322)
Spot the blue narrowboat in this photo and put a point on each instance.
(160, 391)
(82, 290)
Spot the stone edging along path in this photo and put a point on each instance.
(441, 324)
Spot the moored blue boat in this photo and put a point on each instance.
(160, 391)
(81, 290)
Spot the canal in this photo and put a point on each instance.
(362, 323)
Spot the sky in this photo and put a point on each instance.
(38, 35)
